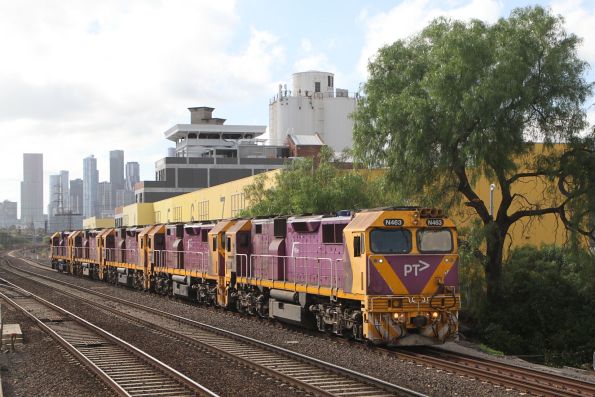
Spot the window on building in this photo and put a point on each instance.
(317, 86)
(330, 81)
(238, 203)
(203, 210)
(178, 214)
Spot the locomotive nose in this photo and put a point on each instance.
(420, 321)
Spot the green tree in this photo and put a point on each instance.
(460, 100)
(316, 185)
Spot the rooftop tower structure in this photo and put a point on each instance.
(209, 152)
(312, 107)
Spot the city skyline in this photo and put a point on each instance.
(92, 92)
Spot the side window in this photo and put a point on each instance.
(215, 243)
(243, 239)
(228, 245)
(357, 246)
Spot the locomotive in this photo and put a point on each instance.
(386, 276)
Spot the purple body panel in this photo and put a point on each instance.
(91, 252)
(60, 246)
(301, 256)
(322, 263)
(414, 271)
(128, 252)
(196, 248)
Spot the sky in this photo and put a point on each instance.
(80, 78)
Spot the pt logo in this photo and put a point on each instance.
(416, 268)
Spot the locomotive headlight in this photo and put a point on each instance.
(400, 317)
(434, 314)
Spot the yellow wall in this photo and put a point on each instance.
(97, 223)
(136, 215)
(547, 229)
(216, 202)
(227, 200)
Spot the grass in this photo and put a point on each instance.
(490, 351)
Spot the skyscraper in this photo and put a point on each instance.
(90, 182)
(76, 196)
(55, 187)
(59, 200)
(116, 169)
(105, 200)
(32, 190)
(8, 214)
(132, 175)
(65, 182)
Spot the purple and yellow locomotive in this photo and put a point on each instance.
(387, 276)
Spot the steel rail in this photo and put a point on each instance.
(316, 387)
(581, 386)
(100, 364)
(528, 380)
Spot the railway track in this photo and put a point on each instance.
(126, 369)
(309, 374)
(523, 379)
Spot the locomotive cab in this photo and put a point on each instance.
(405, 261)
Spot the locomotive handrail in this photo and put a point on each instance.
(110, 254)
(333, 273)
(58, 250)
(203, 259)
(248, 268)
(162, 256)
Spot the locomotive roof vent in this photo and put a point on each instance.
(344, 213)
(394, 208)
(431, 213)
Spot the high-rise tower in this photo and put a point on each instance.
(90, 182)
(32, 190)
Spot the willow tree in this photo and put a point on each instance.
(460, 100)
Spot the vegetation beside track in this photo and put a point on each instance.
(546, 312)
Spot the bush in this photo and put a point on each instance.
(546, 306)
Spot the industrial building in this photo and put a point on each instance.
(313, 107)
(208, 153)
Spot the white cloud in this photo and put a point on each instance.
(314, 61)
(411, 16)
(86, 77)
(580, 20)
(312, 58)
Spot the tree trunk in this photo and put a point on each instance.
(496, 235)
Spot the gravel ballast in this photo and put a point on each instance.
(374, 362)
(221, 376)
(40, 367)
